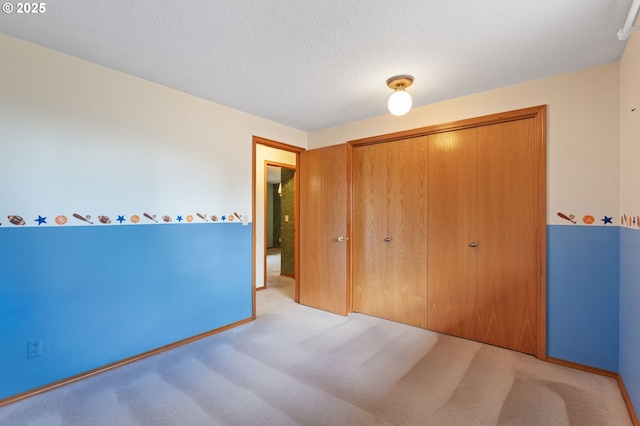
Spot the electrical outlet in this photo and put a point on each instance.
(34, 348)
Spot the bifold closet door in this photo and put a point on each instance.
(508, 235)
(370, 293)
(449, 229)
(407, 224)
(484, 234)
(389, 230)
(452, 256)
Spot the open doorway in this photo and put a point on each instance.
(267, 152)
(280, 215)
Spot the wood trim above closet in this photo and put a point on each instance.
(531, 112)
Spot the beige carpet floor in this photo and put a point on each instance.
(298, 365)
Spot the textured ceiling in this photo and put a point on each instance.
(316, 64)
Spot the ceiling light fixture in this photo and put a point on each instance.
(399, 101)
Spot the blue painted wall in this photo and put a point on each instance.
(629, 312)
(100, 294)
(583, 275)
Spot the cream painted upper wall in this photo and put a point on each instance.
(630, 130)
(79, 137)
(582, 139)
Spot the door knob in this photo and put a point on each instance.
(342, 239)
(386, 240)
(473, 244)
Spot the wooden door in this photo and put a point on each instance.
(486, 228)
(369, 229)
(452, 230)
(390, 231)
(407, 225)
(323, 219)
(483, 193)
(508, 232)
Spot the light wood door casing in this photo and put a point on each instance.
(453, 200)
(390, 231)
(507, 229)
(323, 218)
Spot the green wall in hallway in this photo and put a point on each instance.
(286, 221)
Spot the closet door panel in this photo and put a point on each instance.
(407, 224)
(507, 236)
(452, 206)
(369, 229)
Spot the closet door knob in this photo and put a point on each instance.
(386, 240)
(473, 244)
(342, 239)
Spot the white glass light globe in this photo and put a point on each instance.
(399, 103)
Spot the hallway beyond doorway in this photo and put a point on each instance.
(275, 281)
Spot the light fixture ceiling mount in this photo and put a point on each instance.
(400, 82)
(400, 101)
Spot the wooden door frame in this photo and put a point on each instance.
(539, 115)
(257, 140)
